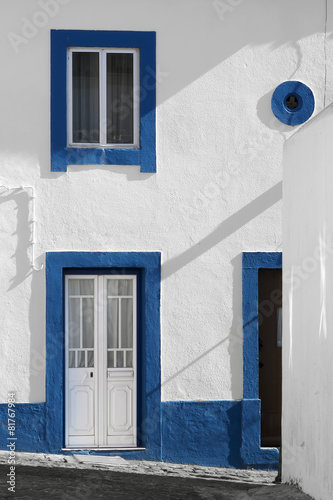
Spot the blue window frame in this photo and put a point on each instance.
(63, 155)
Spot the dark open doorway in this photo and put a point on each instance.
(270, 354)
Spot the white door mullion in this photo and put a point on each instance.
(100, 361)
(81, 326)
(119, 326)
(66, 360)
(96, 350)
(105, 355)
(102, 98)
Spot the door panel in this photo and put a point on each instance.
(120, 413)
(81, 390)
(120, 406)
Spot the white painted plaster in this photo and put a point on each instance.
(219, 149)
(307, 440)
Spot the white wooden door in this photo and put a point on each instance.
(101, 406)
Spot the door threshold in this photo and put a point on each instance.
(91, 448)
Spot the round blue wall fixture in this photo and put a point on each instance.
(293, 103)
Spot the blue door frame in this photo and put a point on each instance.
(251, 452)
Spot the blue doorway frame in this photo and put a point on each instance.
(149, 265)
(251, 452)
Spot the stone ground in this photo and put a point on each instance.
(44, 477)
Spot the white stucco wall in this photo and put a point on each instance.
(307, 440)
(219, 148)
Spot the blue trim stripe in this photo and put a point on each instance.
(61, 155)
(192, 432)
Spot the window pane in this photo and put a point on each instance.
(110, 359)
(120, 359)
(87, 322)
(86, 287)
(126, 322)
(71, 359)
(74, 322)
(125, 287)
(120, 287)
(82, 359)
(113, 322)
(129, 359)
(120, 98)
(81, 287)
(112, 287)
(85, 97)
(90, 355)
(73, 287)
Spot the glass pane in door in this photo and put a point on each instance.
(81, 322)
(126, 323)
(74, 322)
(87, 322)
(113, 323)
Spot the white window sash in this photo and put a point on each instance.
(103, 97)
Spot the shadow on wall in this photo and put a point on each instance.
(21, 198)
(24, 269)
(225, 229)
(196, 360)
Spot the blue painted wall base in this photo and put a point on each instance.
(30, 428)
(204, 433)
(211, 433)
(252, 454)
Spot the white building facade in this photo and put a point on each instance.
(307, 267)
(141, 188)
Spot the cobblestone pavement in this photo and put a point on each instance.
(59, 477)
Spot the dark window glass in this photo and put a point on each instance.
(85, 97)
(120, 99)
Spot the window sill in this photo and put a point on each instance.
(102, 449)
(108, 147)
(94, 156)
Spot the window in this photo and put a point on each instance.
(103, 98)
